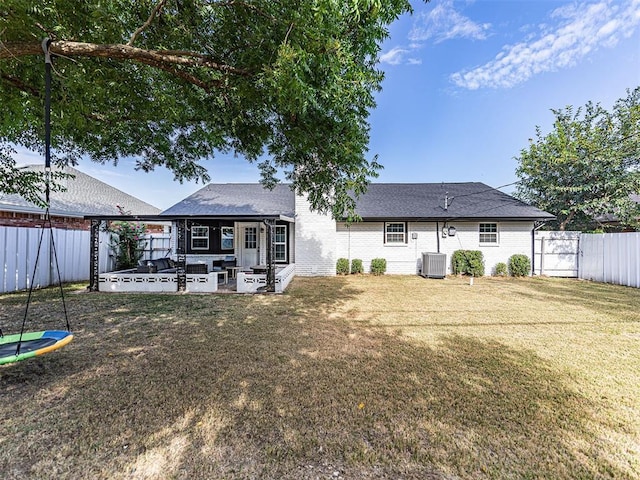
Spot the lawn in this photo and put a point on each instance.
(347, 377)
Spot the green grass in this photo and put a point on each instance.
(357, 377)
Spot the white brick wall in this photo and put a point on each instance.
(366, 241)
(315, 242)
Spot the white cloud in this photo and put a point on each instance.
(579, 29)
(395, 56)
(444, 22)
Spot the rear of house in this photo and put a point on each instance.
(399, 222)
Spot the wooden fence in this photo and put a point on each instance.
(19, 249)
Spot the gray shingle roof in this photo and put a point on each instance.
(409, 201)
(426, 201)
(242, 199)
(84, 195)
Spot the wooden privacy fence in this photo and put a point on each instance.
(610, 258)
(19, 248)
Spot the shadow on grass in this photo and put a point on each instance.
(186, 386)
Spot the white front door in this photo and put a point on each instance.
(249, 241)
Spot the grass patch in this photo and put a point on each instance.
(346, 376)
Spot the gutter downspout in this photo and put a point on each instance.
(438, 235)
(533, 247)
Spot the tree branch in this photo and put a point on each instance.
(146, 24)
(164, 59)
(16, 82)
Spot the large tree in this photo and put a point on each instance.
(288, 84)
(587, 166)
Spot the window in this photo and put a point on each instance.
(488, 233)
(200, 238)
(226, 238)
(251, 238)
(280, 243)
(395, 232)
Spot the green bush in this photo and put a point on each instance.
(378, 266)
(356, 266)
(342, 267)
(500, 269)
(468, 262)
(519, 265)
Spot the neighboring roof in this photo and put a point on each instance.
(236, 199)
(84, 195)
(612, 218)
(406, 201)
(426, 201)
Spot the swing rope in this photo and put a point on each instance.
(46, 43)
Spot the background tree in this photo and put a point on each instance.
(587, 166)
(170, 82)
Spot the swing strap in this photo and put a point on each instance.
(46, 43)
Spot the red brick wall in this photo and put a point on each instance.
(15, 219)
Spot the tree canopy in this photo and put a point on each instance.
(286, 84)
(588, 166)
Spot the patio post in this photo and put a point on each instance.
(94, 261)
(181, 251)
(271, 270)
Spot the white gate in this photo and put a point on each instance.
(556, 253)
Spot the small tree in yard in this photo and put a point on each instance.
(127, 242)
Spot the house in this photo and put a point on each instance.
(265, 237)
(399, 222)
(83, 195)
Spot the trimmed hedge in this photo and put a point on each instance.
(356, 266)
(500, 270)
(468, 262)
(378, 266)
(519, 265)
(342, 266)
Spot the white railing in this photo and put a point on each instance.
(252, 282)
(156, 282)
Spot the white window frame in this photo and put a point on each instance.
(402, 236)
(250, 239)
(284, 243)
(199, 232)
(225, 236)
(488, 233)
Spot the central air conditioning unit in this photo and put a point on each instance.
(434, 265)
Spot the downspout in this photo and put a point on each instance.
(438, 235)
(533, 247)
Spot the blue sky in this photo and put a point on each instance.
(466, 84)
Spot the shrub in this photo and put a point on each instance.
(342, 267)
(378, 266)
(500, 269)
(356, 266)
(468, 262)
(519, 265)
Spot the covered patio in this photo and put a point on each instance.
(221, 253)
